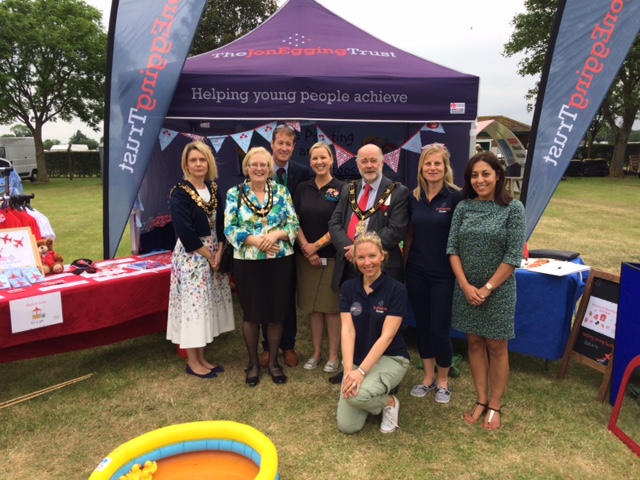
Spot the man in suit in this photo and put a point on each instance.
(374, 204)
(290, 174)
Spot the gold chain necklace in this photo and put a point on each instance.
(260, 212)
(208, 207)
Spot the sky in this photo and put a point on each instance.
(464, 35)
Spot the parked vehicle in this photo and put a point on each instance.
(21, 152)
(595, 167)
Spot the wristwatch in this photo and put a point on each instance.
(489, 286)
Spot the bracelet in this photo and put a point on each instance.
(362, 372)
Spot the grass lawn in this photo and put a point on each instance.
(552, 429)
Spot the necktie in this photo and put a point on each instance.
(282, 173)
(364, 200)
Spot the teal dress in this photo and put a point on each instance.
(484, 235)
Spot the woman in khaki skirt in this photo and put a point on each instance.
(314, 201)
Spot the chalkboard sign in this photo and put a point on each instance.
(593, 334)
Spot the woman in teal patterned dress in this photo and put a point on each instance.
(485, 246)
(261, 224)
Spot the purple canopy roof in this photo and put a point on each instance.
(305, 62)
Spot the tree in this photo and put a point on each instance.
(52, 65)
(531, 34)
(80, 138)
(225, 20)
(21, 131)
(48, 143)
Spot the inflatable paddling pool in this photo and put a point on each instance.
(222, 450)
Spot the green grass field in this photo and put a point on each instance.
(551, 429)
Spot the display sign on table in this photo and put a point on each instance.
(35, 312)
(593, 334)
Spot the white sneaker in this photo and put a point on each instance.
(390, 417)
(331, 367)
(311, 363)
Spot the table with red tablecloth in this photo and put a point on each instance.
(104, 310)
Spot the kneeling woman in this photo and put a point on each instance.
(374, 354)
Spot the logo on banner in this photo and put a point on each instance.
(457, 108)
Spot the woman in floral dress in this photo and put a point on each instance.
(200, 305)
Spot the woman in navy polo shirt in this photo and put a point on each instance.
(429, 275)
(374, 354)
(314, 201)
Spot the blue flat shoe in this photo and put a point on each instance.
(211, 374)
(218, 369)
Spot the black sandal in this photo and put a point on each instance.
(277, 379)
(252, 380)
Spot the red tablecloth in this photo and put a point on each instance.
(95, 313)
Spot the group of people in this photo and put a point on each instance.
(299, 233)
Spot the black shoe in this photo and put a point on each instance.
(211, 374)
(253, 375)
(277, 379)
(337, 378)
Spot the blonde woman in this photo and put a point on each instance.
(429, 275)
(262, 226)
(374, 354)
(314, 201)
(200, 305)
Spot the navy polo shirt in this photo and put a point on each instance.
(368, 311)
(431, 222)
(314, 207)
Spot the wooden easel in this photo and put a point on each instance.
(570, 352)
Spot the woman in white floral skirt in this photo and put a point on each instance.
(200, 305)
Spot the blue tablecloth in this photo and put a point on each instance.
(544, 311)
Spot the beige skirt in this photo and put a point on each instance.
(314, 287)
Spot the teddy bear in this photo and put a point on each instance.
(51, 261)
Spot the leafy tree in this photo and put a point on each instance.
(532, 31)
(52, 65)
(80, 138)
(21, 131)
(48, 143)
(225, 20)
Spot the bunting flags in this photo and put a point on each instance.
(217, 142)
(414, 144)
(342, 155)
(393, 159)
(323, 137)
(166, 137)
(433, 127)
(195, 138)
(243, 139)
(267, 131)
(295, 124)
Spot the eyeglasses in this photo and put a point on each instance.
(258, 165)
(435, 145)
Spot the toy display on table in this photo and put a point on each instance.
(51, 261)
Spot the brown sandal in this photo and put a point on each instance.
(469, 416)
(490, 415)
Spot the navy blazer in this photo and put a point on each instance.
(296, 174)
(390, 225)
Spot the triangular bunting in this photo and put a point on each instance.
(193, 136)
(166, 136)
(323, 137)
(433, 127)
(393, 159)
(414, 144)
(342, 155)
(243, 139)
(293, 124)
(217, 142)
(267, 131)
